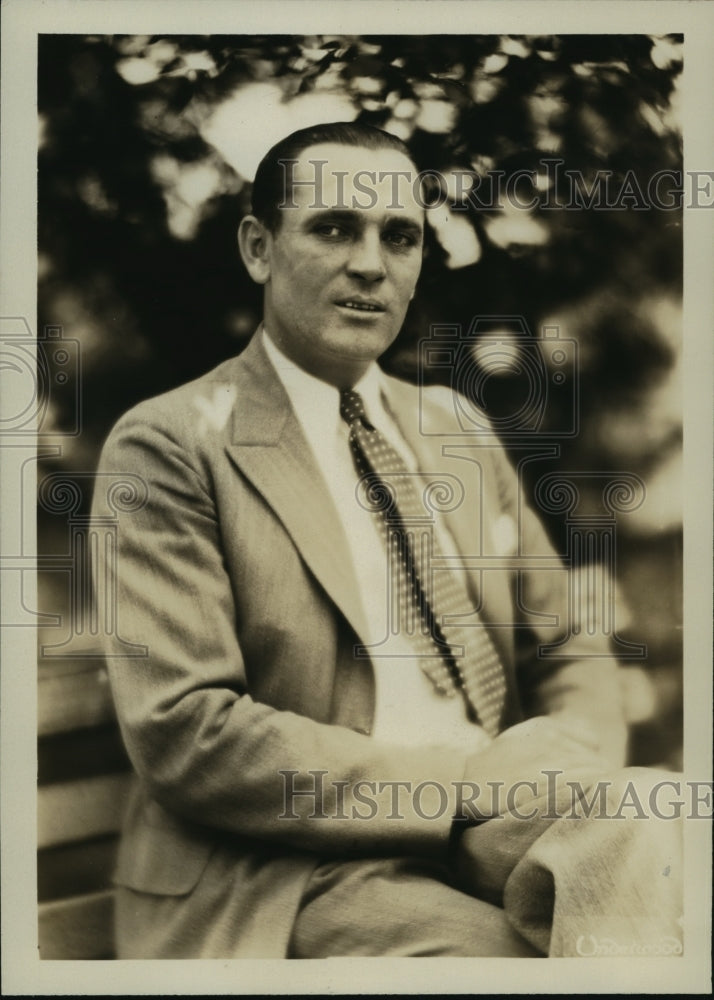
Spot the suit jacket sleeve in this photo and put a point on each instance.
(584, 685)
(202, 746)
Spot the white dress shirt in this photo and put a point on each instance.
(409, 709)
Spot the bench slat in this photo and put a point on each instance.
(77, 810)
(82, 753)
(76, 869)
(77, 928)
(72, 696)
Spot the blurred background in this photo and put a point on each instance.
(147, 149)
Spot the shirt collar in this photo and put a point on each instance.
(317, 403)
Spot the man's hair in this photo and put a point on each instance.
(269, 187)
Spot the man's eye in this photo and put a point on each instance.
(330, 231)
(401, 239)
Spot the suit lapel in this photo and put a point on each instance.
(269, 447)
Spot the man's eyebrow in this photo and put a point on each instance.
(352, 216)
(399, 222)
(335, 215)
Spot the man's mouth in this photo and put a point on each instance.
(361, 305)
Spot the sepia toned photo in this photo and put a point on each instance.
(351, 461)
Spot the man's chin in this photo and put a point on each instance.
(358, 343)
(344, 368)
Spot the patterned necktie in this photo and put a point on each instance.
(454, 657)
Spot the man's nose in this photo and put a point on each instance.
(366, 260)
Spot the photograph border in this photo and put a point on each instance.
(23, 973)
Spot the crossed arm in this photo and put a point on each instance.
(209, 752)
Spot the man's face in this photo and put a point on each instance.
(344, 263)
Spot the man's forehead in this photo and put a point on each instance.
(330, 175)
(340, 156)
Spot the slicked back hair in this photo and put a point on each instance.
(269, 187)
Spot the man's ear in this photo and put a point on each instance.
(254, 245)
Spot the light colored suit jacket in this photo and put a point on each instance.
(236, 575)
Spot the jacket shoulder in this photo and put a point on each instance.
(444, 411)
(201, 405)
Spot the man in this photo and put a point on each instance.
(301, 760)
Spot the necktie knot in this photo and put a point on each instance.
(352, 408)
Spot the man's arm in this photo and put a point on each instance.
(584, 689)
(203, 747)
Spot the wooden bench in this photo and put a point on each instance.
(83, 779)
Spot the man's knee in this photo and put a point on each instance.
(398, 907)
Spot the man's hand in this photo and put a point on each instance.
(512, 770)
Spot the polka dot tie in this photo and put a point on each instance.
(456, 658)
